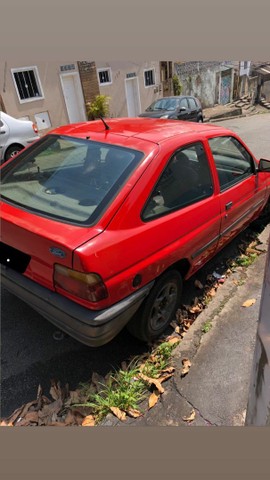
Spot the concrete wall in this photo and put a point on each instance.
(120, 71)
(202, 80)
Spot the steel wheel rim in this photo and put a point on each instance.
(163, 306)
(14, 153)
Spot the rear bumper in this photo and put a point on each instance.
(33, 139)
(93, 328)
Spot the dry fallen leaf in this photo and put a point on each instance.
(55, 390)
(173, 340)
(152, 381)
(168, 370)
(186, 366)
(195, 309)
(253, 250)
(5, 424)
(186, 325)
(134, 413)
(165, 377)
(88, 421)
(56, 424)
(98, 381)
(153, 399)
(118, 413)
(249, 302)
(191, 416)
(124, 366)
(198, 284)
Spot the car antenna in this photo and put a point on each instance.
(105, 124)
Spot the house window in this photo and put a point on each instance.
(105, 76)
(245, 65)
(149, 78)
(27, 84)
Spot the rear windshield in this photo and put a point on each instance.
(66, 178)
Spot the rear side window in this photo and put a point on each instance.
(192, 103)
(67, 178)
(233, 162)
(185, 180)
(184, 103)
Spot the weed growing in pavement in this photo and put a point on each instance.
(206, 327)
(125, 389)
(246, 260)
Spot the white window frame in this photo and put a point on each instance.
(107, 69)
(154, 77)
(38, 82)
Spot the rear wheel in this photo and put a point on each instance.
(200, 119)
(159, 308)
(12, 151)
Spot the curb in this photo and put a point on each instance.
(173, 404)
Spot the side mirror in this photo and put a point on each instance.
(264, 165)
(182, 109)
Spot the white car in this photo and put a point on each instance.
(15, 135)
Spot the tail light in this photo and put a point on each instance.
(34, 126)
(88, 286)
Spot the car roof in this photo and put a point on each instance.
(149, 129)
(175, 96)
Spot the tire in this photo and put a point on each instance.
(200, 120)
(12, 150)
(158, 309)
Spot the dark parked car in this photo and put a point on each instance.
(258, 411)
(176, 108)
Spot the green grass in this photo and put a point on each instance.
(246, 260)
(207, 326)
(125, 389)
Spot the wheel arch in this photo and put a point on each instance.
(12, 145)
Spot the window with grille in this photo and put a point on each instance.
(149, 78)
(27, 84)
(104, 76)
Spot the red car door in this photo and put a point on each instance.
(179, 219)
(240, 193)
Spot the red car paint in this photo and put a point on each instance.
(122, 245)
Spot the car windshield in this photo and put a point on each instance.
(164, 104)
(67, 178)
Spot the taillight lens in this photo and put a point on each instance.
(34, 126)
(88, 286)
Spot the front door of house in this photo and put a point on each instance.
(73, 96)
(133, 97)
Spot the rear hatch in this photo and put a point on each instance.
(56, 195)
(31, 245)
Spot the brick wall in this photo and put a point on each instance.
(89, 81)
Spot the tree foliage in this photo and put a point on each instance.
(177, 87)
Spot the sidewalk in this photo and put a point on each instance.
(216, 386)
(232, 110)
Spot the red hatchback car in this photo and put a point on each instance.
(101, 222)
